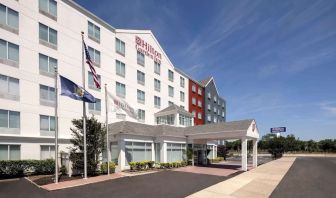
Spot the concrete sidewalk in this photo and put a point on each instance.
(258, 182)
(80, 182)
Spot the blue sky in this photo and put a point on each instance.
(272, 60)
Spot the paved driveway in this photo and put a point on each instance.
(309, 177)
(161, 184)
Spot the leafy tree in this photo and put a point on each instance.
(95, 137)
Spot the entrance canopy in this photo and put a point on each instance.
(224, 130)
(201, 134)
(215, 131)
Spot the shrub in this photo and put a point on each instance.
(133, 166)
(63, 170)
(103, 167)
(151, 164)
(19, 168)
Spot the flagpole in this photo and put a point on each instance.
(84, 111)
(56, 125)
(107, 135)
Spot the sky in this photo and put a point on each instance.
(273, 61)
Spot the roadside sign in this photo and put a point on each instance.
(278, 129)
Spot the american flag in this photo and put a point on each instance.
(90, 63)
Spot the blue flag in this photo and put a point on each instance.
(71, 89)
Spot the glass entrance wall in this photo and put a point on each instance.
(137, 151)
(176, 152)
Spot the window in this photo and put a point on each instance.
(47, 125)
(47, 95)
(120, 89)
(219, 102)
(140, 58)
(199, 115)
(166, 119)
(47, 65)
(47, 152)
(223, 114)
(182, 96)
(223, 104)
(199, 103)
(193, 113)
(48, 8)
(215, 98)
(141, 114)
(48, 36)
(171, 91)
(193, 88)
(157, 68)
(170, 103)
(209, 95)
(171, 75)
(157, 102)
(93, 32)
(182, 106)
(120, 68)
(120, 46)
(141, 96)
(95, 56)
(185, 120)
(157, 85)
(9, 19)
(157, 152)
(209, 118)
(182, 81)
(209, 107)
(141, 77)
(138, 151)
(9, 87)
(176, 152)
(215, 109)
(9, 119)
(193, 101)
(10, 152)
(219, 113)
(91, 82)
(9, 53)
(95, 108)
(215, 119)
(199, 91)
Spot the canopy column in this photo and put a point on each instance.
(255, 153)
(244, 154)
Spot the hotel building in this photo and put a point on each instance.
(38, 35)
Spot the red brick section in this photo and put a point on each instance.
(195, 107)
(80, 182)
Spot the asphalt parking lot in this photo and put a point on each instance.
(161, 184)
(309, 177)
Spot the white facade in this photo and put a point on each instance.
(70, 21)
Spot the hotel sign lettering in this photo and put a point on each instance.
(145, 48)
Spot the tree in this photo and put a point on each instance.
(95, 141)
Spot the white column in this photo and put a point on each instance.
(163, 154)
(255, 153)
(244, 154)
(121, 157)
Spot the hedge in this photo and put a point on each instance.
(173, 164)
(217, 159)
(103, 167)
(141, 165)
(19, 168)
